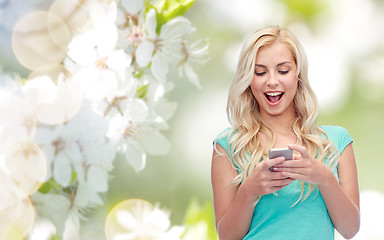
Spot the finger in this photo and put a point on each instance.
(298, 170)
(301, 149)
(290, 164)
(277, 176)
(296, 156)
(294, 175)
(282, 182)
(274, 161)
(282, 164)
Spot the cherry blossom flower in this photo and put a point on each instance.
(137, 132)
(52, 102)
(136, 219)
(65, 132)
(97, 66)
(130, 19)
(80, 146)
(134, 137)
(195, 52)
(16, 211)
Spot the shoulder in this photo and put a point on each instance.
(338, 135)
(222, 138)
(335, 132)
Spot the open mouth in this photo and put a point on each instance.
(273, 97)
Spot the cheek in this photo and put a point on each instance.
(292, 83)
(256, 86)
(256, 92)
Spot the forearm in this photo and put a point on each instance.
(235, 223)
(343, 211)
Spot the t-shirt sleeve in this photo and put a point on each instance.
(339, 136)
(222, 139)
(344, 138)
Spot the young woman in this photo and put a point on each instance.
(271, 105)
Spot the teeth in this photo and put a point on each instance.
(273, 93)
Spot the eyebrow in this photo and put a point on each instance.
(278, 65)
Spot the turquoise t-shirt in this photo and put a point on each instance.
(274, 216)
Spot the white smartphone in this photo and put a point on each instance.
(280, 152)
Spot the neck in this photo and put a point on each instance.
(281, 124)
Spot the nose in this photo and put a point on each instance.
(272, 80)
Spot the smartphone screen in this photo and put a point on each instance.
(281, 152)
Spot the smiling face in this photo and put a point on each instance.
(274, 83)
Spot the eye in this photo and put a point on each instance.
(260, 73)
(283, 72)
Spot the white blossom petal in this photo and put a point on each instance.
(159, 67)
(144, 53)
(191, 75)
(54, 207)
(119, 60)
(39, 90)
(120, 18)
(96, 84)
(81, 48)
(25, 163)
(132, 6)
(111, 12)
(126, 220)
(87, 196)
(106, 39)
(135, 157)
(19, 214)
(175, 28)
(117, 126)
(103, 13)
(154, 142)
(157, 221)
(72, 228)
(52, 103)
(138, 110)
(19, 121)
(137, 219)
(98, 178)
(62, 171)
(150, 24)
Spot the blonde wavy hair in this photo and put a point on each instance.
(244, 146)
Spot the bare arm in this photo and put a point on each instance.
(341, 199)
(234, 205)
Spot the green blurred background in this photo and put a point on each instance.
(344, 41)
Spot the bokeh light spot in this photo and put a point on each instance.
(19, 121)
(53, 102)
(26, 164)
(17, 220)
(39, 38)
(75, 13)
(53, 70)
(136, 208)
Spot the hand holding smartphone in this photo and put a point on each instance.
(280, 152)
